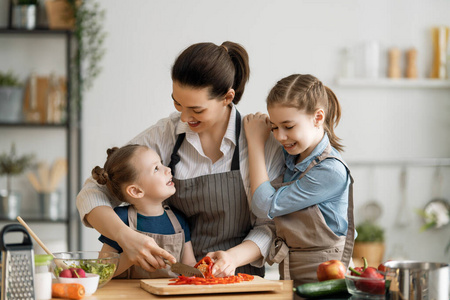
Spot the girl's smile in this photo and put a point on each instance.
(297, 131)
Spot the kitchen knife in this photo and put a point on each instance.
(183, 269)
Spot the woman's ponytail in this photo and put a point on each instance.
(239, 57)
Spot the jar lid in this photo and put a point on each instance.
(42, 259)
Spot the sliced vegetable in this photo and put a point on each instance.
(205, 266)
(68, 290)
(320, 289)
(211, 280)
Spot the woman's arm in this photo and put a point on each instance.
(226, 262)
(123, 264)
(188, 255)
(141, 250)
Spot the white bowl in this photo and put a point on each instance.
(90, 283)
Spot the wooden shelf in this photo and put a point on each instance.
(393, 83)
(34, 31)
(33, 125)
(413, 162)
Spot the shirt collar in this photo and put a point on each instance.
(301, 166)
(230, 134)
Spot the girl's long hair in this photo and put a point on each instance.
(306, 92)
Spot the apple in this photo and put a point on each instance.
(332, 269)
(66, 273)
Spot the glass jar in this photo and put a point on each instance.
(42, 277)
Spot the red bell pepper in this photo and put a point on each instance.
(376, 287)
(205, 265)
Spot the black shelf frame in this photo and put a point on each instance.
(73, 124)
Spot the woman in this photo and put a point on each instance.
(205, 147)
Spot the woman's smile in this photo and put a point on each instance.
(194, 124)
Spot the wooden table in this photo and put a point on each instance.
(130, 290)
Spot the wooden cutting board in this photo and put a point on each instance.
(162, 287)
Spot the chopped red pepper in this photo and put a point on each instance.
(205, 265)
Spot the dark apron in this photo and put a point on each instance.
(172, 243)
(215, 206)
(304, 239)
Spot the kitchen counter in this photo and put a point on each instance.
(130, 290)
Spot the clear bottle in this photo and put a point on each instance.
(42, 277)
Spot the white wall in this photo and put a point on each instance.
(285, 37)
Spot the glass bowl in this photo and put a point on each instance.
(103, 264)
(370, 288)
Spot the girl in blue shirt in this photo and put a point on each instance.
(135, 174)
(312, 203)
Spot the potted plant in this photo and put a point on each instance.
(85, 19)
(10, 165)
(369, 244)
(11, 97)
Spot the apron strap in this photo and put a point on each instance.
(173, 219)
(235, 161)
(132, 217)
(279, 253)
(349, 241)
(175, 158)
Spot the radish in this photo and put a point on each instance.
(66, 273)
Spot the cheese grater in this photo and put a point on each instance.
(17, 266)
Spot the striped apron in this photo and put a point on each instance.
(215, 206)
(304, 240)
(172, 243)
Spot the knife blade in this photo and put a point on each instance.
(183, 269)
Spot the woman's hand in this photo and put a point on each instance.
(143, 251)
(257, 128)
(224, 264)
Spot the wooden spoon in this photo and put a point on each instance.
(38, 240)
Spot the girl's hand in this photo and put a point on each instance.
(143, 251)
(257, 128)
(224, 265)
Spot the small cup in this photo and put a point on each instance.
(42, 276)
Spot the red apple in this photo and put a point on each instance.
(66, 273)
(332, 269)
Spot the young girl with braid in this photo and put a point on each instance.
(312, 202)
(134, 174)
